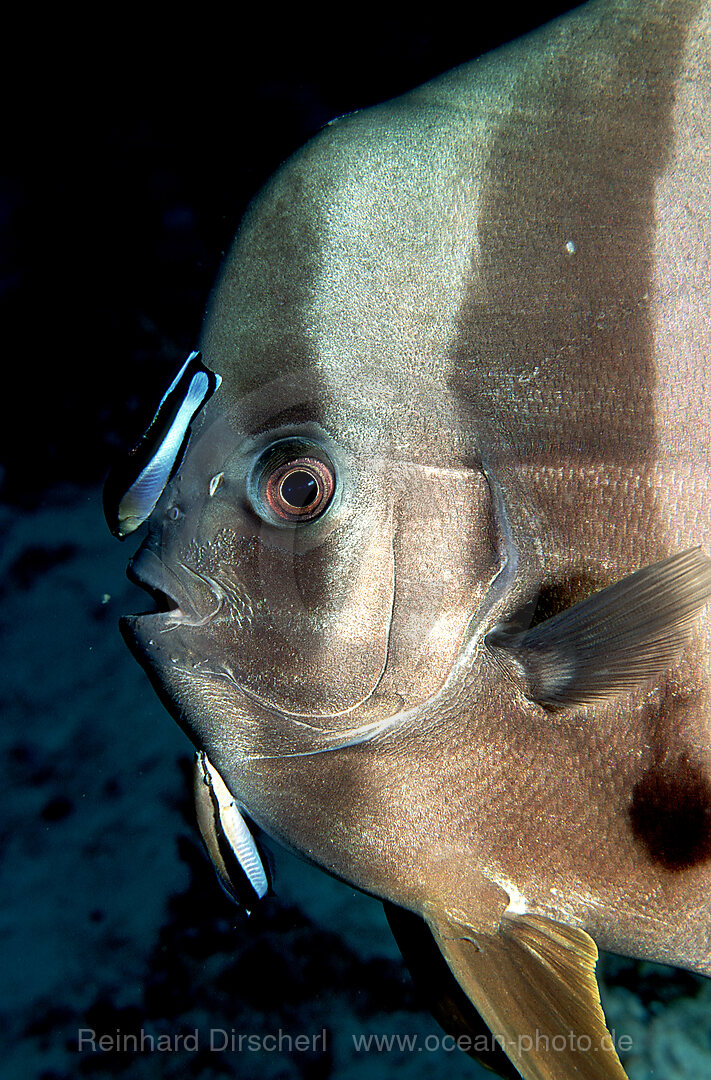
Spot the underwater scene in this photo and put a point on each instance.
(382, 347)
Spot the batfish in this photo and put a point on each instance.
(432, 573)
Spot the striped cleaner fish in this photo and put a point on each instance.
(433, 571)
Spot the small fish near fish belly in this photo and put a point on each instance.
(229, 843)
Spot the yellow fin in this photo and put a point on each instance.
(441, 992)
(534, 984)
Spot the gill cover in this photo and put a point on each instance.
(135, 484)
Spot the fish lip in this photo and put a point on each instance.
(174, 605)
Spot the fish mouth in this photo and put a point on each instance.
(177, 603)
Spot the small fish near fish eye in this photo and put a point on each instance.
(137, 481)
(292, 483)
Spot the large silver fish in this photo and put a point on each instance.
(435, 558)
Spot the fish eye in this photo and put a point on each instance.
(300, 490)
(293, 483)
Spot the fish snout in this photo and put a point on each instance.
(182, 595)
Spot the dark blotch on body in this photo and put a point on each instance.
(670, 813)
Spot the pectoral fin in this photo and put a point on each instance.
(534, 984)
(612, 642)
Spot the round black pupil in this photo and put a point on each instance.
(299, 489)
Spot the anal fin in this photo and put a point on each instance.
(534, 984)
(441, 992)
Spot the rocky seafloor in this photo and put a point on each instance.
(111, 920)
